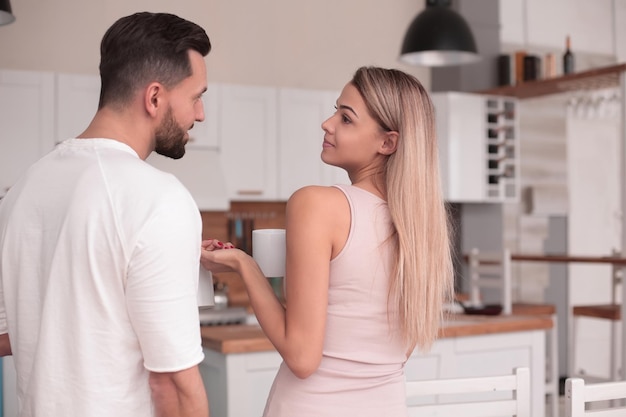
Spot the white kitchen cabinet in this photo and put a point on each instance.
(248, 138)
(199, 170)
(238, 384)
(478, 147)
(300, 137)
(9, 387)
(484, 355)
(234, 154)
(76, 103)
(27, 121)
(77, 97)
(205, 135)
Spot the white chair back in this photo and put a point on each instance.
(452, 397)
(578, 395)
(491, 270)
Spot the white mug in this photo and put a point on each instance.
(268, 250)
(206, 297)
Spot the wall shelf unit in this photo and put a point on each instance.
(593, 79)
(478, 147)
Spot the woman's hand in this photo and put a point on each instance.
(214, 244)
(215, 258)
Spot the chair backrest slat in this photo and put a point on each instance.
(605, 391)
(478, 409)
(578, 394)
(491, 269)
(517, 383)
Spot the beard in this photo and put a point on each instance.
(170, 137)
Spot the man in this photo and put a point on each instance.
(99, 251)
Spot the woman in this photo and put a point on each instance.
(368, 265)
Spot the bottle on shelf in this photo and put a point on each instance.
(568, 58)
(549, 68)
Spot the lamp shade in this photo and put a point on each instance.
(439, 36)
(6, 14)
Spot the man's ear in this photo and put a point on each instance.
(390, 143)
(153, 98)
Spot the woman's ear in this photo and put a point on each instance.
(390, 143)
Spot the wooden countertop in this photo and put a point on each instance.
(239, 338)
(564, 258)
(250, 338)
(561, 258)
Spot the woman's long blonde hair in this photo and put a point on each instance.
(422, 279)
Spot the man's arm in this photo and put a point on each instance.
(179, 394)
(5, 345)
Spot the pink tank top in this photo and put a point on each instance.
(362, 368)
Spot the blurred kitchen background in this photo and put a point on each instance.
(274, 73)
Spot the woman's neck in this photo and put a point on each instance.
(375, 184)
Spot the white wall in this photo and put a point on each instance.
(313, 44)
(597, 28)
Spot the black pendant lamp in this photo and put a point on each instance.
(6, 15)
(439, 36)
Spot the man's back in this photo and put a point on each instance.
(108, 290)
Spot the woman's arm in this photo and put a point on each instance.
(317, 217)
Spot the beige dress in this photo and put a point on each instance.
(362, 368)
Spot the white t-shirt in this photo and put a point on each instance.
(99, 262)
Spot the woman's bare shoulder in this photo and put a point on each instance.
(317, 196)
(321, 214)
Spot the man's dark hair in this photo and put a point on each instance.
(146, 47)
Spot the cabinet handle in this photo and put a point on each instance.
(249, 192)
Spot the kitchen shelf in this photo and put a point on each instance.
(478, 147)
(594, 79)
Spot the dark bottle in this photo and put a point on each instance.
(568, 58)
